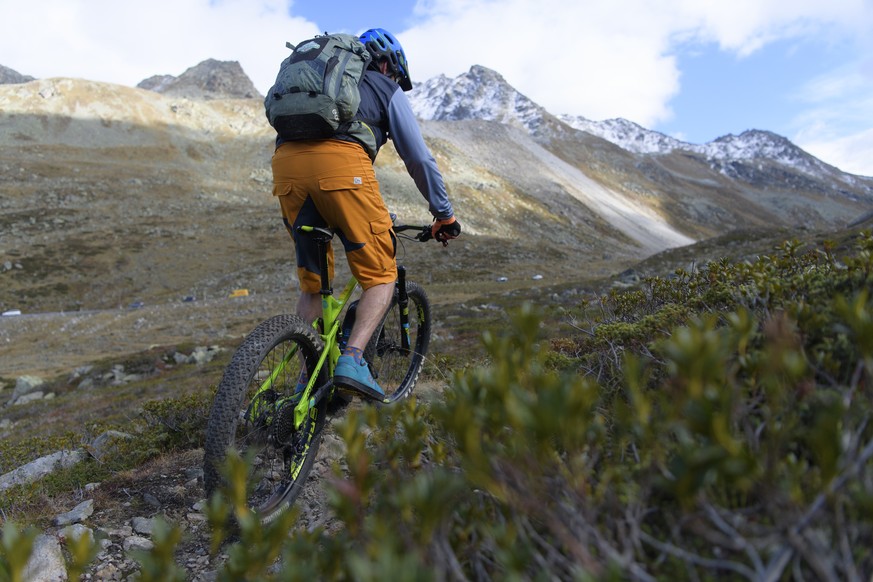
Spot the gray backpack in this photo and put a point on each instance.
(316, 92)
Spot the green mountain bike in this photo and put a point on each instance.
(259, 409)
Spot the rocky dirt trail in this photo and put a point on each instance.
(122, 514)
(171, 488)
(122, 517)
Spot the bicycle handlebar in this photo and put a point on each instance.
(424, 232)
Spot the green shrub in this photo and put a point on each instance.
(15, 548)
(177, 423)
(716, 424)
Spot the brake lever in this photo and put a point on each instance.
(426, 234)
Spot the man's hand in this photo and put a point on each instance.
(445, 229)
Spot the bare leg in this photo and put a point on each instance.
(371, 307)
(309, 306)
(309, 309)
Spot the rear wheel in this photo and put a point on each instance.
(253, 413)
(395, 366)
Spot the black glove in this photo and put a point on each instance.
(445, 229)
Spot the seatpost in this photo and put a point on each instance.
(323, 236)
(322, 243)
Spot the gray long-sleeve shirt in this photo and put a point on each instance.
(386, 109)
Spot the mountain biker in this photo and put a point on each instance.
(331, 183)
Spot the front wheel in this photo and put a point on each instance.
(253, 412)
(394, 362)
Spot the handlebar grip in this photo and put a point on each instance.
(453, 230)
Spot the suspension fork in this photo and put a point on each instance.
(403, 303)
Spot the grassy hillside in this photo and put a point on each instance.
(707, 422)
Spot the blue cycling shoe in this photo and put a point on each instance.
(356, 376)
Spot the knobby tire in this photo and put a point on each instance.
(396, 370)
(261, 428)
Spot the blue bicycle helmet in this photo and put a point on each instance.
(384, 46)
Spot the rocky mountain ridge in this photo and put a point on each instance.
(210, 79)
(9, 76)
(207, 80)
(483, 94)
(752, 144)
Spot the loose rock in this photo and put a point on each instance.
(79, 513)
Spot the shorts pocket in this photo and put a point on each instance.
(335, 183)
(284, 189)
(381, 224)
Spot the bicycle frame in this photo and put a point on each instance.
(329, 324)
(331, 308)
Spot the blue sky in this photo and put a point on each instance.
(722, 93)
(693, 69)
(355, 17)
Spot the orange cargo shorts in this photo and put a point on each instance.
(331, 183)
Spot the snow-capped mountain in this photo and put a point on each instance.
(735, 181)
(627, 134)
(483, 94)
(478, 94)
(750, 145)
(757, 145)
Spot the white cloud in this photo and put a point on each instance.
(125, 42)
(605, 58)
(851, 153)
(744, 26)
(837, 123)
(597, 58)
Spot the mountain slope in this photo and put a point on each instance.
(210, 79)
(11, 76)
(112, 194)
(755, 179)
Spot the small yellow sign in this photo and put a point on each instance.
(240, 293)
